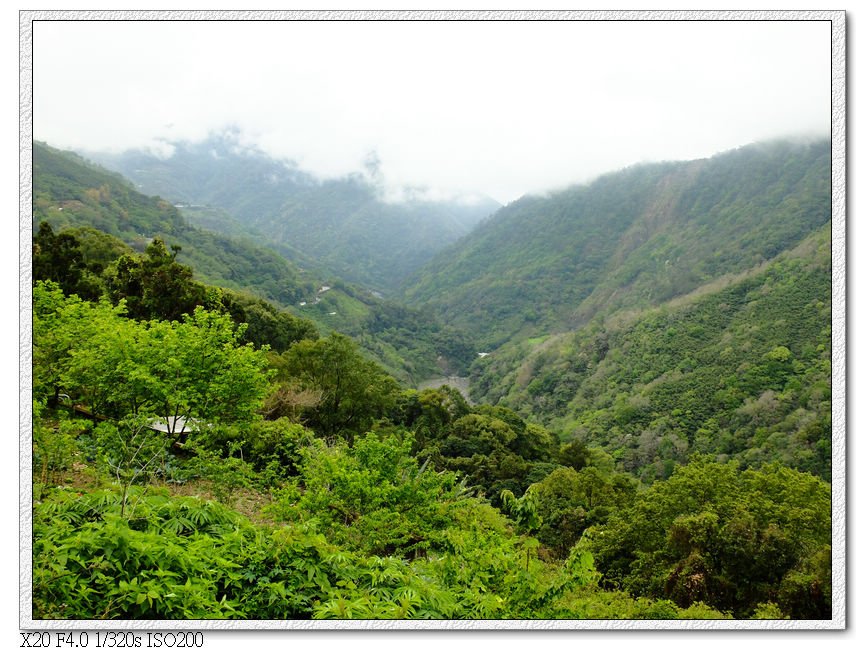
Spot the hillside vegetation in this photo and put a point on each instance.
(649, 436)
(308, 485)
(739, 370)
(71, 193)
(629, 240)
(344, 224)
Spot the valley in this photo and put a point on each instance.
(460, 384)
(608, 401)
(347, 226)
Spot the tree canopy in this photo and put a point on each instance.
(193, 371)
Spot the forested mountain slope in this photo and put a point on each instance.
(70, 192)
(342, 496)
(343, 224)
(661, 454)
(629, 240)
(736, 370)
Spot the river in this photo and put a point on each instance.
(460, 383)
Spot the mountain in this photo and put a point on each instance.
(681, 472)
(657, 312)
(661, 311)
(345, 225)
(69, 191)
(737, 369)
(627, 241)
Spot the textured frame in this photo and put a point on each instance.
(839, 352)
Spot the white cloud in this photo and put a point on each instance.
(500, 108)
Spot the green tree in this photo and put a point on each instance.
(200, 372)
(374, 496)
(429, 413)
(265, 324)
(732, 539)
(354, 391)
(155, 285)
(195, 371)
(524, 511)
(57, 257)
(487, 446)
(571, 501)
(61, 326)
(574, 455)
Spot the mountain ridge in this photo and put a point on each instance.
(345, 224)
(70, 191)
(738, 369)
(636, 237)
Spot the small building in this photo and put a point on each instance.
(178, 424)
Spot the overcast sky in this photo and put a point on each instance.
(498, 108)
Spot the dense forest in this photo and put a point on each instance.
(90, 203)
(648, 436)
(741, 369)
(628, 241)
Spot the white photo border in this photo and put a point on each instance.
(839, 481)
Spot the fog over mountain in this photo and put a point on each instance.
(434, 317)
(507, 108)
(353, 226)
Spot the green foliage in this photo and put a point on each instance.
(354, 391)
(224, 475)
(364, 532)
(594, 603)
(97, 207)
(524, 511)
(58, 258)
(274, 448)
(629, 240)
(372, 497)
(493, 447)
(184, 373)
(98, 249)
(741, 371)
(258, 455)
(155, 286)
(568, 502)
(378, 497)
(92, 562)
(60, 325)
(429, 413)
(265, 324)
(729, 538)
(203, 373)
(69, 192)
(768, 611)
(181, 558)
(574, 455)
(418, 331)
